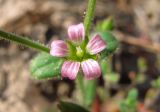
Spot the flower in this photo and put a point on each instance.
(79, 53)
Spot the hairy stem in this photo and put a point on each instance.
(80, 83)
(89, 15)
(23, 41)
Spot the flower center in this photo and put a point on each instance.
(79, 52)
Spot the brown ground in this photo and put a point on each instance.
(44, 20)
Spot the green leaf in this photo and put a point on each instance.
(111, 41)
(105, 66)
(130, 103)
(132, 98)
(108, 75)
(133, 94)
(112, 77)
(45, 66)
(90, 92)
(71, 107)
(123, 107)
(156, 83)
(105, 25)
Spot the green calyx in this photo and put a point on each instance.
(78, 52)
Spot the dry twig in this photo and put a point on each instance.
(149, 46)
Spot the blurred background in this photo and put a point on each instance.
(135, 64)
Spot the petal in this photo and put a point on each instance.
(96, 44)
(76, 33)
(70, 69)
(91, 69)
(59, 48)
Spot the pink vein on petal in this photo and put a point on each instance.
(91, 69)
(59, 48)
(96, 44)
(76, 33)
(70, 69)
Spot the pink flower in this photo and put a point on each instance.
(59, 48)
(81, 57)
(76, 33)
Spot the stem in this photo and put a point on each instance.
(23, 41)
(80, 80)
(80, 84)
(90, 93)
(89, 15)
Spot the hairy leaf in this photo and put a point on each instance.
(45, 66)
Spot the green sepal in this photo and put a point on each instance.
(45, 66)
(71, 107)
(72, 50)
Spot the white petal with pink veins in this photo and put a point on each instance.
(91, 69)
(76, 33)
(59, 48)
(96, 44)
(70, 69)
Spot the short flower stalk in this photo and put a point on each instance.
(78, 53)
